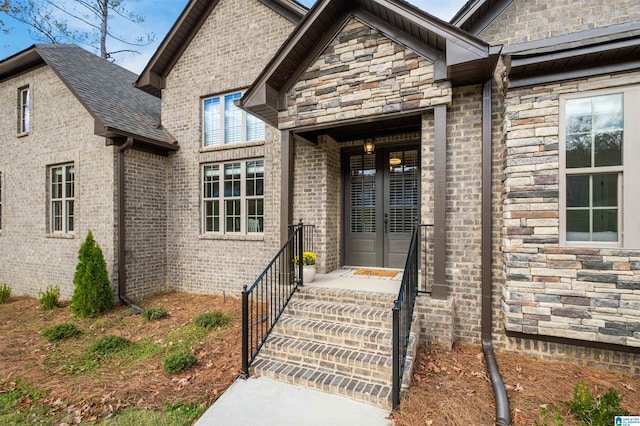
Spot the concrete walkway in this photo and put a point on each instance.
(265, 402)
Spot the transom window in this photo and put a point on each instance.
(225, 123)
(24, 107)
(600, 135)
(233, 197)
(62, 198)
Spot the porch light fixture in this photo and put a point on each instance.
(369, 146)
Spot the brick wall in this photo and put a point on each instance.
(588, 294)
(527, 20)
(61, 132)
(227, 54)
(362, 73)
(146, 223)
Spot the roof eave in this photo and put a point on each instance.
(111, 132)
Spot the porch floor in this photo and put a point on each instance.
(346, 278)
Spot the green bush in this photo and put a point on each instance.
(109, 344)
(595, 411)
(5, 292)
(151, 314)
(212, 320)
(178, 362)
(49, 298)
(92, 294)
(60, 332)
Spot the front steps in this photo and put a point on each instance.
(337, 341)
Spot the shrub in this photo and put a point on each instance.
(49, 298)
(212, 320)
(178, 362)
(60, 332)
(5, 292)
(109, 344)
(596, 411)
(151, 314)
(92, 294)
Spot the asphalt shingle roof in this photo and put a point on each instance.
(107, 91)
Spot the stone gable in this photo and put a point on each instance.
(362, 73)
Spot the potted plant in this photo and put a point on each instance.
(308, 266)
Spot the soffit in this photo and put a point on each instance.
(476, 15)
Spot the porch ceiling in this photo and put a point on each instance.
(365, 129)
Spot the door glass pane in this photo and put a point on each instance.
(403, 190)
(363, 193)
(232, 216)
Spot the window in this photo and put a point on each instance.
(599, 137)
(24, 107)
(62, 198)
(233, 197)
(225, 123)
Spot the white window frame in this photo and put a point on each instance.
(628, 173)
(208, 196)
(62, 201)
(24, 110)
(222, 140)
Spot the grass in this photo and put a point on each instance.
(177, 362)
(60, 331)
(212, 320)
(136, 417)
(5, 293)
(11, 402)
(109, 344)
(153, 314)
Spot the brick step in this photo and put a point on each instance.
(346, 297)
(363, 364)
(378, 318)
(344, 335)
(324, 380)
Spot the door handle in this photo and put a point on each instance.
(386, 223)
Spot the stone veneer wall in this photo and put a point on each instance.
(226, 55)
(362, 73)
(528, 20)
(146, 223)
(587, 294)
(30, 257)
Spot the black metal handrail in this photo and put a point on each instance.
(265, 300)
(308, 232)
(403, 311)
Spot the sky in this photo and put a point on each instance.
(159, 16)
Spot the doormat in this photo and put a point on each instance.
(376, 273)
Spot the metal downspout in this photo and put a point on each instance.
(503, 413)
(122, 268)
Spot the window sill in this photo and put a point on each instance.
(232, 237)
(22, 135)
(62, 236)
(231, 146)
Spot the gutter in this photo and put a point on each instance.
(503, 412)
(122, 267)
